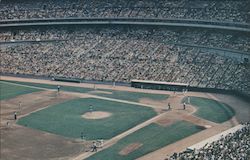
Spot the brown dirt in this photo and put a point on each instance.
(86, 85)
(162, 103)
(130, 148)
(96, 115)
(177, 113)
(241, 107)
(165, 121)
(18, 142)
(23, 143)
(198, 121)
(29, 103)
(242, 110)
(184, 143)
(104, 92)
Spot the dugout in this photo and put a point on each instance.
(159, 85)
(66, 80)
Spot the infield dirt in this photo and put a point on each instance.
(18, 142)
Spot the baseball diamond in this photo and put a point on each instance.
(124, 80)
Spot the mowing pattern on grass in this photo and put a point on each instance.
(133, 96)
(122, 95)
(65, 118)
(151, 137)
(211, 110)
(8, 91)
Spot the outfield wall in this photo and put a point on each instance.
(143, 85)
(169, 86)
(158, 85)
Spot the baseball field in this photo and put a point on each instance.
(132, 123)
(10, 91)
(67, 119)
(147, 139)
(210, 109)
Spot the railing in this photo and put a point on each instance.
(128, 21)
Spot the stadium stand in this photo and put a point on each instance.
(125, 53)
(203, 57)
(222, 11)
(200, 57)
(216, 137)
(232, 146)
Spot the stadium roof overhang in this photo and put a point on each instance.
(244, 27)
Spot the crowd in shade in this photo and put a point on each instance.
(234, 146)
(229, 11)
(122, 54)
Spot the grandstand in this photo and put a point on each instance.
(228, 146)
(199, 45)
(158, 54)
(231, 11)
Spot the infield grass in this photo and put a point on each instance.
(152, 137)
(211, 110)
(65, 118)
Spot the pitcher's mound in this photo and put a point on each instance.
(96, 115)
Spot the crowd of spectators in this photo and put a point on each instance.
(234, 146)
(122, 54)
(233, 40)
(125, 53)
(229, 11)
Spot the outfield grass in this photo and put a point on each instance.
(133, 96)
(8, 91)
(50, 86)
(211, 110)
(65, 118)
(122, 95)
(152, 137)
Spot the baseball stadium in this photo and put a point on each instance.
(124, 80)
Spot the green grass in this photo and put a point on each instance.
(211, 110)
(122, 95)
(133, 96)
(65, 118)
(152, 137)
(8, 91)
(50, 86)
